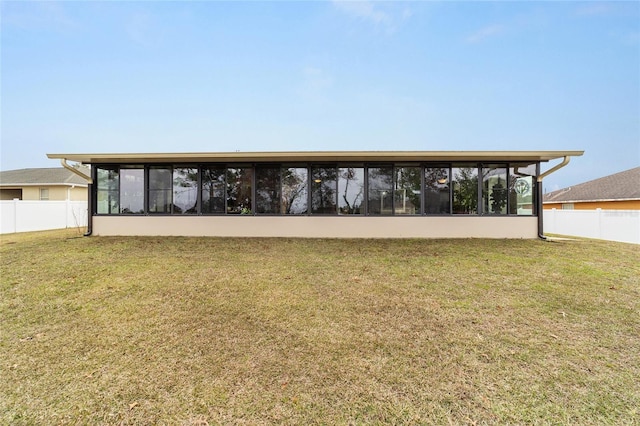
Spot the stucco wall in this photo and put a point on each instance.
(56, 193)
(319, 227)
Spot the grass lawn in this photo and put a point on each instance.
(196, 331)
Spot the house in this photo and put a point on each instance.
(354, 194)
(619, 191)
(55, 184)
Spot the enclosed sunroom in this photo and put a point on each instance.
(458, 194)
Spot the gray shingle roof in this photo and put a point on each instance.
(41, 176)
(619, 186)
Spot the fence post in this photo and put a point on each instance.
(599, 215)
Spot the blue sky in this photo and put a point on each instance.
(321, 75)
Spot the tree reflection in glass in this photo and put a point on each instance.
(465, 189)
(185, 190)
(213, 189)
(323, 190)
(407, 190)
(350, 190)
(267, 190)
(294, 190)
(437, 197)
(108, 190)
(239, 190)
(494, 189)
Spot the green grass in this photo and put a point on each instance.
(196, 331)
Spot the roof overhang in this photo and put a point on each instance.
(317, 156)
(20, 185)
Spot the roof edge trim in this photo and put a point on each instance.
(310, 156)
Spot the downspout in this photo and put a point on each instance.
(89, 180)
(89, 211)
(540, 194)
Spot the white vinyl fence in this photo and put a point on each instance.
(27, 215)
(613, 225)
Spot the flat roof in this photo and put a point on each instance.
(315, 156)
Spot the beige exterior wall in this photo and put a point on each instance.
(56, 193)
(79, 194)
(320, 227)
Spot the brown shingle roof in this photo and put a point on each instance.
(619, 186)
(41, 176)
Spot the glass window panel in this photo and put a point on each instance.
(380, 190)
(132, 190)
(494, 189)
(185, 190)
(522, 189)
(108, 188)
(407, 190)
(213, 189)
(239, 190)
(160, 187)
(268, 190)
(464, 181)
(437, 190)
(350, 190)
(294, 190)
(323, 190)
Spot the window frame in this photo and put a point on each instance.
(144, 188)
(486, 198)
(361, 194)
(331, 169)
(368, 167)
(174, 206)
(313, 180)
(223, 169)
(41, 194)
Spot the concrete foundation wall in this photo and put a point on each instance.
(320, 227)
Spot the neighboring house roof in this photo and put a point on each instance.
(619, 186)
(42, 176)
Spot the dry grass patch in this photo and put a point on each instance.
(108, 330)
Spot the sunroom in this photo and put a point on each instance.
(375, 194)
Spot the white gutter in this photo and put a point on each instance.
(539, 207)
(553, 169)
(64, 163)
